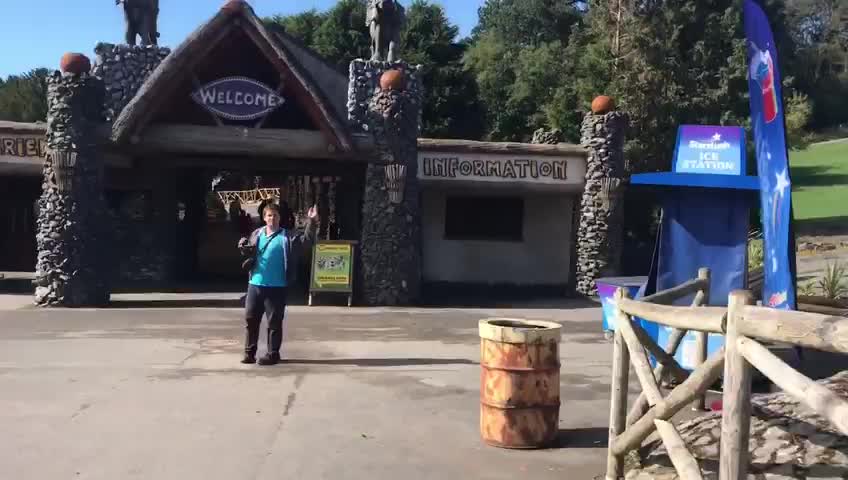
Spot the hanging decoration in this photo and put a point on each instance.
(395, 181)
(64, 164)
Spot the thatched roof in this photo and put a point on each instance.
(326, 97)
(502, 148)
(18, 128)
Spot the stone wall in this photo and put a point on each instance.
(788, 441)
(72, 253)
(123, 69)
(390, 233)
(599, 237)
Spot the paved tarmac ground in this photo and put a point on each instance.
(366, 394)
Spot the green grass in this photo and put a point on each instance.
(820, 184)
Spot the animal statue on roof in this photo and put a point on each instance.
(141, 17)
(385, 19)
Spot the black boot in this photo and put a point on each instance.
(270, 359)
(248, 359)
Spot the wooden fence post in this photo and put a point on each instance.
(618, 399)
(736, 403)
(701, 339)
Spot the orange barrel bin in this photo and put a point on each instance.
(519, 382)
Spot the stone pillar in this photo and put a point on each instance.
(385, 99)
(599, 237)
(72, 266)
(123, 69)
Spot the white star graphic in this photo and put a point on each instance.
(782, 183)
(768, 155)
(773, 262)
(717, 137)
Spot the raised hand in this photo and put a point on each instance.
(312, 214)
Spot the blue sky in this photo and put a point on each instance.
(36, 33)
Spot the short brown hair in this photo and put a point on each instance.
(270, 206)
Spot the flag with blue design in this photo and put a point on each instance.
(772, 160)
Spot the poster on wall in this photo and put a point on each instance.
(772, 161)
(332, 268)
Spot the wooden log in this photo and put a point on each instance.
(736, 401)
(816, 396)
(801, 329)
(191, 139)
(822, 309)
(702, 338)
(667, 297)
(639, 359)
(699, 381)
(618, 405)
(682, 459)
(704, 319)
(661, 356)
(823, 302)
(641, 404)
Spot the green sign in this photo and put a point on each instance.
(332, 267)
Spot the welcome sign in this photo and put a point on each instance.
(238, 98)
(710, 149)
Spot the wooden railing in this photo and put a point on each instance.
(741, 323)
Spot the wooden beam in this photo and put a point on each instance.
(618, 405)
(683, 460)
(818, 397)
(704, 319)
(702, 338)
(811, 330)
(667, 297)
(638, 357)
(661, 356)
(190, 139)
(641, 404)
(736, 401)
(682, 395)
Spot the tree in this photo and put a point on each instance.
(521, 66)
(23, 98)
(451, 108)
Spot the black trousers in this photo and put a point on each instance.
(261, 301)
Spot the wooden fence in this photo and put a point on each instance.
(248, 196)
(744, 326)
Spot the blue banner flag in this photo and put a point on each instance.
(772, 160)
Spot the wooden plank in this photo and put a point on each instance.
(736, 401)
(618, 405)
(470, 146)
(702, 338)
(667, 297)
(21, 128)
(641, 404)
(682, 459)
(814, 395)
(193, 139)
(682, 395)
(811, 330)
(704, 319)
(823, 302)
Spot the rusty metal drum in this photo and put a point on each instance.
(519, 382)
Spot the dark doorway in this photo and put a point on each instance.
(18, 214)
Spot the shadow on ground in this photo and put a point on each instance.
(381, 362)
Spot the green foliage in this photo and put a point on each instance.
(520, 60)
(451, 107)
(834, 283)
(807, 288)
(799, 112)
(755, 254)
(23, 98)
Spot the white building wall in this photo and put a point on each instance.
(542, 258)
